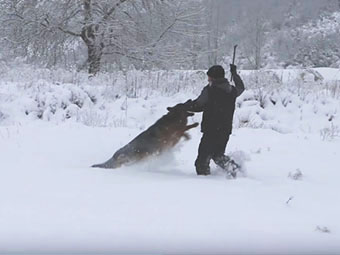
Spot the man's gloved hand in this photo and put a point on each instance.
(233, 69)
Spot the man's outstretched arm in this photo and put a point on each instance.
(199, 103)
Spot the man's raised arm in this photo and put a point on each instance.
(239, 85)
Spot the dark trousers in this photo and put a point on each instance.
(212, 146)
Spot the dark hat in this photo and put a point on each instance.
(216, 72)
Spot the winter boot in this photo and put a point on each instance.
(203, 170)
(228, 165)
(231, 168)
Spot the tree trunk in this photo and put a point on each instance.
(94, 57)
(94, 47)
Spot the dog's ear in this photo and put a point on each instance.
(174, 108)
(180, 108)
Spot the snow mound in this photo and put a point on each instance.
(280, 100)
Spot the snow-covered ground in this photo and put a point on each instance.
(51, 200)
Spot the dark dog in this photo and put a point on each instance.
(161, 136)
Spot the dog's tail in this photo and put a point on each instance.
(99, 166)
(108, 164)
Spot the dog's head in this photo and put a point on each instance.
(179, 110)
(178, 116)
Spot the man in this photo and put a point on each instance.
(217, 101)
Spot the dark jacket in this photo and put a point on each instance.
(217, 101)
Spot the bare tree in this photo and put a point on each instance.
(162, 34)
(138, 30)
(255, 42)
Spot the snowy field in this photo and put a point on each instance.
(53, 127)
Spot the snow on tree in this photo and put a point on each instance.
(145, 32)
